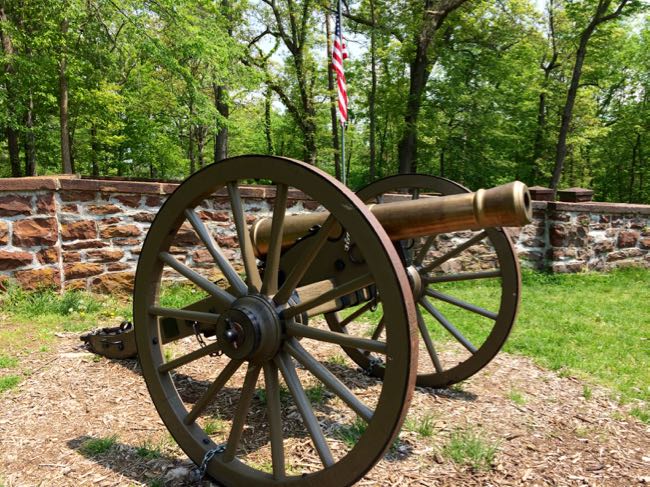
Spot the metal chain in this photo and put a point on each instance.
(201, 340)
(209, 455)
(372, 363)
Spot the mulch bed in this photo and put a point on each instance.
(550, 435)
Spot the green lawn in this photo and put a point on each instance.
(596, 325)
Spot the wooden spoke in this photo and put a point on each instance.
(358, 312)
(286, 366)
(453, 253)
(245, 244)
(274, 410)
(326, 377)
(212, 391)
(462, 304)
(381, 326)
(342, 339)
(336, 293)
(447, 325)
(184, 314)
(223, 298)
(239, 287)
(270, 283)
(243, 405)
(428, 343)
(424, 250)
(189, 357)
(309, 254)
(466, 276)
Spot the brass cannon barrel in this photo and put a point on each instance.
(508, 205)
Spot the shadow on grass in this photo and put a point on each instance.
(137, 463)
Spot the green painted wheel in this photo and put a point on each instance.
(245, 401)
(466, 286)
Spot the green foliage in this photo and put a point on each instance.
(148, 450)
(151, 88)
(517, 397)
(8, 382)
(423, 426)
(350, 434)
(7, 362)
(469, 447)
(94, 447)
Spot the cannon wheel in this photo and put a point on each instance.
(262, 332)
(436, 370)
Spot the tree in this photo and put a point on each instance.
(598, 13)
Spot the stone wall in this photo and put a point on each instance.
(575, 237)
(76, 233)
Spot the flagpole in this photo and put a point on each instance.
(344, 178)
(343, 124)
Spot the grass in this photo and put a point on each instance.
(469, 447)
(214, 426)
(97, 446)
(593, 325)
(517, 397)
(350, 434)
(423, 426)
(9, 382)
(148, 450)
(7, 362)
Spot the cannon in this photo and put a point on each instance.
(410, 264)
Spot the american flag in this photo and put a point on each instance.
(339, 53)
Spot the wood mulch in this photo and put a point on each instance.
(545, 430)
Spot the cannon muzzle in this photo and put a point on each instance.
(508, 205)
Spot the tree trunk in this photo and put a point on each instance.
(373, 95)
(221, 138)
(333, 100)
(30, 139)
(66, 156)
(433, 15)
(633, 167)
(267, 122)
(10, 132)
(567, 112)
(600, 16)
(200, 144)
(94, 145)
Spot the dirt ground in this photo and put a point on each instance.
(545, 429)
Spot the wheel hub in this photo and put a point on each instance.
(415, 281)
(250, 329)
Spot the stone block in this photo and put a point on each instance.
(71, 257)
(70, 208)
(127, 242)
(130, 200)
(144, 217)
(627, 238)
(624, 254)
(85, 244)
(12, 205)
(153, 201)
(558, 235)
(4, 233)
(603, 246)
(569, 267)
(43, 277)
(79, 230)
(644, 243)
(10, 259)
(35, 231)
(79, 270)
(104, 255)
(119, 266)
(76, 285)
(49, 256)
(45, 204)
(103, 209)
(112, 231)
(113, 283)
(77, 195)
